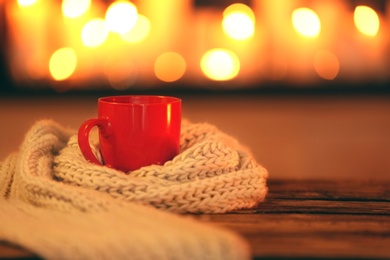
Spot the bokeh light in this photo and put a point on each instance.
(326, 64)
(239, 7)
(26, 3)
(140, 30)
(75, 8)
(62, 63)
(306, 22)
(220, 64)
(121, 17)
(366, 20)
(238, 22)
(169, 67)
(94, 33)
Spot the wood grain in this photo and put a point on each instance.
(317, 220)
(310, 235)
(310, 219)
(359, 190)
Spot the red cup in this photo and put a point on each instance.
(134, 131)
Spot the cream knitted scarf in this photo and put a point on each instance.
(56, 204)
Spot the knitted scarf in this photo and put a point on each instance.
(59, 206)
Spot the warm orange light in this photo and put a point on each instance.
(140, 30)
(366, 20)
(326, 64)
(220, 64)
(238, 7)
(121, 17)
(238, 26)
(277, 68)
(169, 66)
(62, 63)
(306, 22)
(37, 64)
(25, 3)
(75, 8)
(94, 33)
(238, 21)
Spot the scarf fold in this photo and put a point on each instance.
(58, 198)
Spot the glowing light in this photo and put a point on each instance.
(94, 33)
(238, 7)
(366, 20)
(238, 26)
(75, 8)
(306, 22)
(169, 66)
(26, 3)
(326, 64)
(140, 30)
(220, 64)
(121, 17)
(238, 21)
(62, 63)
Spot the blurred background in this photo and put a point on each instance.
(304, 84)
(73, 45)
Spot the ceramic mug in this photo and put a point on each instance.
(134, 131)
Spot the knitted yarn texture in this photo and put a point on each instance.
(49, 177)
(212, 174)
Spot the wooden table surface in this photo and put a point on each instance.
(306, 219)
(317, 219)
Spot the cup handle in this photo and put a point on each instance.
(83, 137)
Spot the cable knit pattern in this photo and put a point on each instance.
(213, 173)
(210, 175)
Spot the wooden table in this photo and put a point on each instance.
(317, 220)
(307, 219)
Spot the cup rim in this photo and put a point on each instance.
(125, 100)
